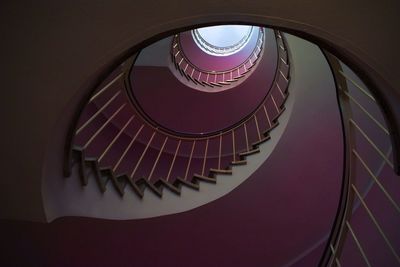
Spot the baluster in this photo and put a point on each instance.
(283, 75)
(103, 126)
(266, 115)
(233, 145)
(334, 256)
(247, 139)
(280, 90)
(276, 106)
(157, 159)
(190, 159)
(358, 244)
(375, 178)
(258, 128)
(142, 156)
(373, 219)
(220, 151)
(173, 160)
(128, 147)
(106, 87)
(357, 86)
(98, 112)
(371, 143)
(383, 128)
(116, 137)
(205, 158)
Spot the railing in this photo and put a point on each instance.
(114, 142)
(366, 231)
(217, 79)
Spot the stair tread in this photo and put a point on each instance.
(205, 178)
(264, 139)
(250, 152)
(134, 186)
(221, 171)
(149, 185)
(224, 83)
(179, 180)
(216, 84)
(276, 123)
(239, 162)
(165, 183)
(274, 118)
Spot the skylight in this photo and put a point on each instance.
(222, 40)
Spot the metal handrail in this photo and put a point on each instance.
(187, 136)
(352, 130)
(177, 50)
(202, 142)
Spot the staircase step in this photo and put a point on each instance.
(181, 181)
(208, 84)
(216, 84)
(224, 83)
(101, 180)
(239, 162)
(118, 183)
(276, 123)
(278, 114)
(193, 80)
(264, 139)
(164, 183)
(250, 152)
(146, 183)
(219, 171)
(205, 178)
(133, 185)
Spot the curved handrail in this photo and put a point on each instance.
(244, 138)
(178, 57)
(363, 133)
(187, 136)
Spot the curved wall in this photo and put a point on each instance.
(260, 223)
(48, 68)
(180, 108)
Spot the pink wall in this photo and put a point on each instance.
(283, 209)
(203, 112)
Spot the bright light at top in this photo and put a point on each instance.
(222, 40)
(225, 35)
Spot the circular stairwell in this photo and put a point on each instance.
(118, 146)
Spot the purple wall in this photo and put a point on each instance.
(283, 209)
(193, 111)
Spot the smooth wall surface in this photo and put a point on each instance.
(52, 53)
(280, 216)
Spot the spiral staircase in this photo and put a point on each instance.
(186, 160)
(116, 148)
